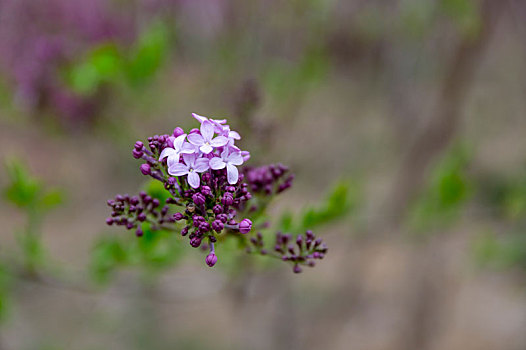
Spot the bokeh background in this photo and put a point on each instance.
(417, 106)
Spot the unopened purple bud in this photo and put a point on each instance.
(245, 226)
(230, 189)
(139, 145)
(129, 225)
(222, 217)
(141, 217)
(309, 235)
(195, 131)
(178, 132)
(195, 242)
(217, 209)
(172, 181)
(296, 269)
(204, 227)
(205, 190)
(134, 200)
(146, 169)
(137, 154)
(227, 199)
(109, 221)
(139, 232)
(211, 259)
(217, 225)
(178, 216)
(199, 199)
(184, 231)
(155, 203)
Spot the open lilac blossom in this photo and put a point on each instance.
(228, 160)
(213, 199)
(206, 141)
(192, 165)
(179, 147)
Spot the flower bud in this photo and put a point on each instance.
(146, 169)
(184, 231)
(217, 209)
(178, 132)
(137, 154)
(198, 199)
(109, 221)
(227, 199)
(296, 269)
(245, 226)
(139, 145)
(139, 232)
(217, 225)
(178, 216)
(205, 190)
(211, 259)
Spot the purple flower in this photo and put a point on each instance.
(228, 160)
(206, 141)
(245, 226)
(211, 259)
(218, 127)
(180, 147)
(192, 166)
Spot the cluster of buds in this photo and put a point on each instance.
(303, 250)
(130, 212)
(200, 171)
(269, 179)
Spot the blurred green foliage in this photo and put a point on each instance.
(502, 252)
(109, 64)
(35, 199)
(27, 192)
(449, 188)
(342, 200)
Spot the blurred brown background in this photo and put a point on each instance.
(420, 103)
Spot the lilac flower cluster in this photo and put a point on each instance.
(269, 179)
(200, 171)
(130, 212)
(305, 251)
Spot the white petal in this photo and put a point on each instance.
(206, 148)
(178, 142)
(202, 164)
(235, 158)
(199, 117)
(219, 141)
(196, 139)
(166, 153)
(193, 179)
(232, 174)
(189, 159)
(178, 170)
(207, 130)
(217, 163)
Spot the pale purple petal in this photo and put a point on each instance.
(218, 121)
(188, 148)
(172, 160)
(178, 169)
(189, 159)
(202, 164)
(217, 163)
(199, 117)
(167, 152)
(206, 148)
(235, 158)
(196, 139)
(232, 174)
(207, 130)
(234, 135)
(193, 179)
(178, 142)
(219, 141)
